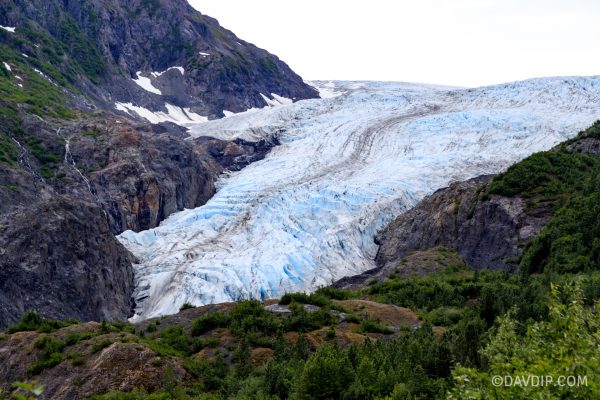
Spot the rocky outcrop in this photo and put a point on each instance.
(587, 145)
(482, 233)
(58, 256)
(187, 58)
(417, 263)
(486, 234)
(140, 176)
(238, 153)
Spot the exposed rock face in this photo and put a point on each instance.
(119, 366)
(484, 233)
(107, 174)
(58, 256)
(585, 145)
(111, 41)
(139, 176)
(239, 153)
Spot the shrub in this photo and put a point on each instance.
(176, 338)
(369, 325)
(101, 344)
(76, 337)
(319, 298)
(209, 322)
(33, 321)
(51, 354)
(186, 306)
(251, 316)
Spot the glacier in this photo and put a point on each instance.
(306, 214)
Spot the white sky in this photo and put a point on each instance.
(453, 42)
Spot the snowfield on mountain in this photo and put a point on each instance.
(306, 215)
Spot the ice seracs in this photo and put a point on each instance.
(306, 215)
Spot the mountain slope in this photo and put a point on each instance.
(162, 56)
(72, 150)
(306, 215)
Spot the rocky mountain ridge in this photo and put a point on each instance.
(149, 55)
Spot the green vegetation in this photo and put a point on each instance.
(38, 95)
(568, 186)
(564, 345)
(546, 177)
(474, 324)
(8, 151)
(49, 159)
(83, 51)
(267, 65)
(476, 313)
(51, 354)
(100, 345)
(186, 306)
(23, 391)
(33, 321)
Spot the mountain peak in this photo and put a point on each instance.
(148, 53)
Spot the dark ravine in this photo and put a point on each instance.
(108, 42)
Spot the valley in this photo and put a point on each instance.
(306, 215)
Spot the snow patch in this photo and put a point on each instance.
(157, 74)
(10, 29)
(24, 55)
(43, 75)
(7, 67)
(146, 84)
(180, 116)
(277, 100)
(204, 54)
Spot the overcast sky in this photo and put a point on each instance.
(453, 42)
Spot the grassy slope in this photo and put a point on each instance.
(569, 185)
